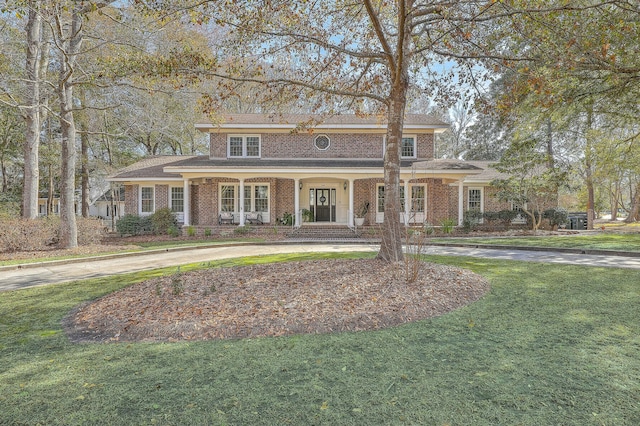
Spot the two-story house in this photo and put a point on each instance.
(262, 168)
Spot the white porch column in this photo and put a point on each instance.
(241, 206)
(407, 199)
(460, 202)
(187, 203)
(351, 206)
(296, 202)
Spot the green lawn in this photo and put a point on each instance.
(550, 344)
(624, 242)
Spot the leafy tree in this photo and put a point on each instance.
(531, 185)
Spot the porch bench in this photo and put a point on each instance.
(253, 217)
(225, 217)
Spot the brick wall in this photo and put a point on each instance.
(162, 196)
(131, 199)
(194, 203)
(425, 147)
(355, 145)
(283, 198)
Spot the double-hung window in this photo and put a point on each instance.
(474, 201)
(244, 146)
(177, 199)
(147, 204)
(408, 147)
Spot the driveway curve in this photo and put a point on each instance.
(45, 273)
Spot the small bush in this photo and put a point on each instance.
(241, 230)
(556, 216)
(162, 220)
(448, 225)
(90, 231)
(173, 231)
(286, 219)
(191, 231)
(131, 224)
(207, 232)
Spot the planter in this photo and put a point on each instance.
(359, 221)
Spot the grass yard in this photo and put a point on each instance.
(623, 242)
(550, 344)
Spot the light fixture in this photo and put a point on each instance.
(344, 186)
(300, 186)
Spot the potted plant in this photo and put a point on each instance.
(361, 213)
(307, 215)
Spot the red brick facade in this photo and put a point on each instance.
(301, 145)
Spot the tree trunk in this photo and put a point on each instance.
(84, 156)
(588, 164)
(634, 211)
(391, 244)
(31, 113)
(69, 47)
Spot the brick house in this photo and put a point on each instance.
(263, 168)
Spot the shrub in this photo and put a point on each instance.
(470, 219)
(241, 230)
(207, 232)
(90, 231)
(556, 216)
(162, 220)
(505, 217)
(131, 224)
(191, 231)
(286, 219)
(173, 231)
(41, 233)
(448, 225)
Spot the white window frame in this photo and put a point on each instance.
(475, 188)
(418, 216)
(244, 146)
(153, 200)
(171, 199)
(415, 146)
(252, 200)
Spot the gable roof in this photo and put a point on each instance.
(291, 122)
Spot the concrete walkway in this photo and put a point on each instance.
(44, 273)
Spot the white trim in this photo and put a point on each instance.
(244, 138)
(238, 199)
(153, 193)
(211, 128)
(476, 188)
(415, 147)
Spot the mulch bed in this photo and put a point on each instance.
(276, 299)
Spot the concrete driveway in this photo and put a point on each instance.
(44, 273)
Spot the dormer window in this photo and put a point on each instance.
(243, 146)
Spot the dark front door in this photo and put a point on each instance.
(323, 205)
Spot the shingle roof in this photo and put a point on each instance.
(312, 120)
(151, 167)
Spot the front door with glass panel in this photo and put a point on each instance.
(323, 205)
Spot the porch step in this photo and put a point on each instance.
(323, 233)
